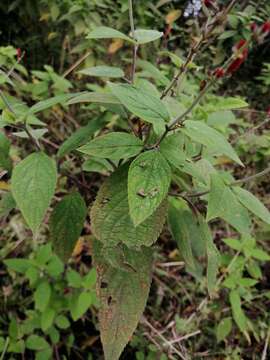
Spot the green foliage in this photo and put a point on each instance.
(66, 224)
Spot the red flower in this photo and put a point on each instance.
(241, 43)
(208, 3)
(19, 53)
(266, 27)
(253, 27)
(219, 73)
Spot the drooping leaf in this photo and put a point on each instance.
(123, 296)
(142, 104)
(33, 184)
(80, 137)
(111, 222)
(145, 36)
(149, 179)
(103, 71)
(237, 311)
(115, 146)
(211, 138)
(183, 229)
(223, 203)
(94, 97)
(104, 32)
(213, 256)
(66, 224)
(253, 204)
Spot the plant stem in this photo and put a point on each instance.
(135, 48)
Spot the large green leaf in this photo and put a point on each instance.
(252, 204)
(80, 137)
(142, 104)
(149, 179)
(213, 256)
(33, 184)
(115, 146)
(123, 295)
(66, 224)
(104, 32)
(145, 36)
(111, 222)
(211, 138)
(103, 71)
(223, 203)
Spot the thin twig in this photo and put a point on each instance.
(185, 337)
(135, 48)
(264, 354)
(76, 64)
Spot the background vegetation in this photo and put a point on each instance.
(43, 45)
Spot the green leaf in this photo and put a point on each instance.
(211, 138)
(115, 146)
(247, 282)
(238, 314)
(5, 161)
(123, 296)
(142, 104)
(42, 295)
(33, 184)
(97, 165)
(79, 137)
(146, 36)
(152, 71)
(183, 228)
(94, 97)
(7, 203)
(19, 265)
(66, 224)
(172, 149)
(213, 256)
(224, 204)
(47, 318)
(111, 222)
(260, 255)
(223, 329)
(229, 103)
(103, 71)
(252, 204)
(35, 342)
(48, 103)
(149, 179)
(104, 32)
(62, 322)
(80, 304)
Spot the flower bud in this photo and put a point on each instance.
(265, 29)
(219, 73)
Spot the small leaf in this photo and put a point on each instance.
(62, 322)
(80, 304)
(211, 138)
(19, 265)
(79, 137)
(111, 222)
(123, 296)
(142, 104)
(66, 224)
(47, 318)
(153, 71)
(33, 184)
(103, 71)
(97, 165)
(172, 149)
(104, 32)
(146, 36)
(252, 204)
(230, 103)
(149, 179)
(260, 255)
(223, 329)
(224, 204)
(5, 161)
(7, 203)
(115, 146)
(35, 342)
(42, 295)
(238, 314)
